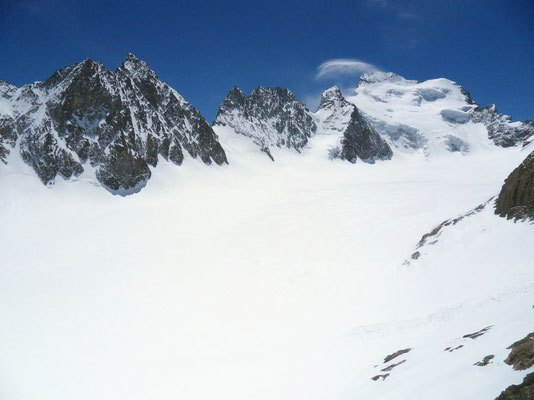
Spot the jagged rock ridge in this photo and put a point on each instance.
(501, 129)
(117, 122)
(271, 117)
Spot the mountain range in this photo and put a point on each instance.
(115, 126)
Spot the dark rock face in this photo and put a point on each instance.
(521, 358)
(500, 127)
(361, 140)
(123, 168)
(522, 355)
(516, 199)
(271, 117)
(523, 391)
(118, 122)
(468, 98)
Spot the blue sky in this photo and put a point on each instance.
(204, 48)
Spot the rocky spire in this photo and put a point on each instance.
(234, 101)
(332, 98)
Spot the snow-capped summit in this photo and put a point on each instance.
(373, 77)
(234, 101)
(136, 68)
(433, 116)
(85, 117)
(270, 117)
(334, 112)
(331, 97)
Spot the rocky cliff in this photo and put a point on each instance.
(516, 199)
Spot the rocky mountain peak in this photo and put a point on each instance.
(334, 112)
(118, 122)
(358, 139)
(332, 97)
(88, 67)
(234, 100)
(136, 68)
(272, 96)
(132, 58)
(271, 117)
(236, 92)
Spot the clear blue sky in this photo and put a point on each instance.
(204, 48)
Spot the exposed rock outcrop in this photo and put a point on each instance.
(361, 140)
(522, 355)
(516, 199)
(523, 391)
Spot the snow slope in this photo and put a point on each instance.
(262, 280)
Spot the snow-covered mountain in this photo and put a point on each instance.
(87, 118)
(270, 117)
(434, 116)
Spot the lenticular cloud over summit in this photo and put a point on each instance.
(343, 67)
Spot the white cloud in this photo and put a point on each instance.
(343, 67)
